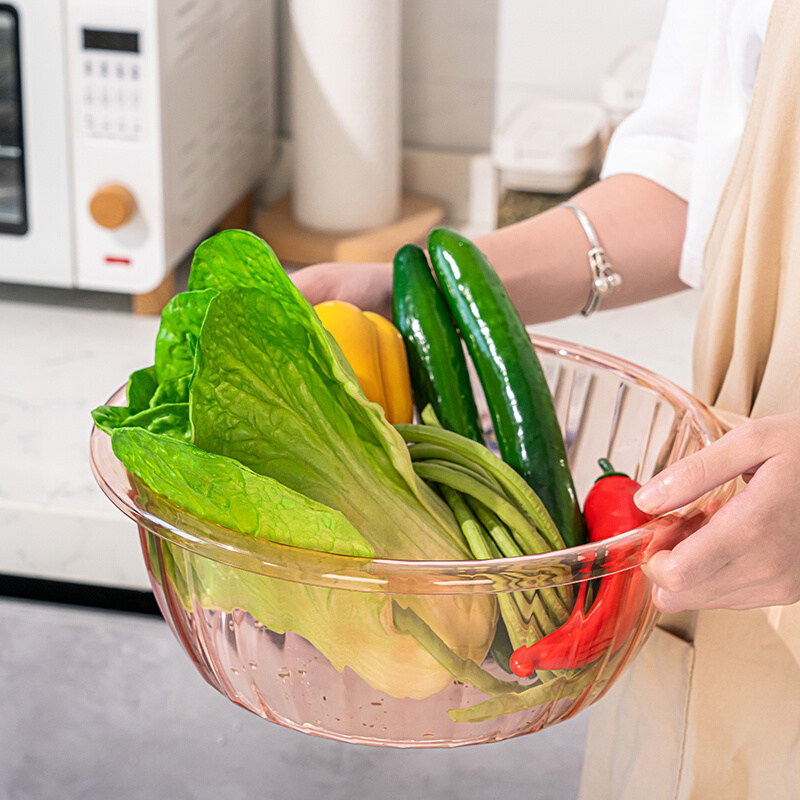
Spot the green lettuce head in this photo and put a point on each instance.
(251, 419)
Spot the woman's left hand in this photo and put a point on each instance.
(748, 555)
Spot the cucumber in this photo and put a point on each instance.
(528, 434)
(436, 361)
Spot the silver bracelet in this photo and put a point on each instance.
(604, 279)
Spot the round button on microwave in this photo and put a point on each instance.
(112, 206)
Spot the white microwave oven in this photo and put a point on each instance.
(128, 128)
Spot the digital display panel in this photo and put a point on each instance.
(116, 41)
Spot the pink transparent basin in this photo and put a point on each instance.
(228, 598)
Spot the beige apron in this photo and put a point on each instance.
(711, 708)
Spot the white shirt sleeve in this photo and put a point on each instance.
(657, 140)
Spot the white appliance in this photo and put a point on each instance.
(548, 145)
(128, 128)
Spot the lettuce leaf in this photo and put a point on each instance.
(158, 397)
(139, 392)
(172, 390)
(177, 336)
(224, 492)
(351, 629)
(234, 258)
(171, 419)
(269, 392)
(142, 385)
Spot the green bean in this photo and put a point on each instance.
(477, 540)
(424, 452)
(407, 621)
(470, 527)
(508, 547)
(513, 484)
(523, 531)
(466, 471)
(559, 687)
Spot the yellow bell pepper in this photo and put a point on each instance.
(395, 375)
(376, 352)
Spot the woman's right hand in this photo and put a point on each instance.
(368, 286)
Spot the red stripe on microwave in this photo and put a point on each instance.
(120, 261)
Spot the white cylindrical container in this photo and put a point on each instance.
(346, 120)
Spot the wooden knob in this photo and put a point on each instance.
(112, 206)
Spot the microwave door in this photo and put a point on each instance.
(36, 240)
(13, 208)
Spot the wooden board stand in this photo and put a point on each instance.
(153, 302)
(295, 245)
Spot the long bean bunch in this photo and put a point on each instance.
(499, 515)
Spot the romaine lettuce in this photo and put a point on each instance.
(268, 392)
(286, 446)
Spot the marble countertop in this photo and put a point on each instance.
(63, 353)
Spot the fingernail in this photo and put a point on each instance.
(651, 496)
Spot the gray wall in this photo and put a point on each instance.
(464, 61)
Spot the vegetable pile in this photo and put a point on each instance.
(281, 421)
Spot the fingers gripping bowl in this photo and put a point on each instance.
(401, 653)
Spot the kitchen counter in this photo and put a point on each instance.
(65, 352)
(100, 704)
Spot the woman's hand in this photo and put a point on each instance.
(748, 555)
(368, 286)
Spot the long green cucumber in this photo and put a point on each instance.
(528, 434)
(436, 360)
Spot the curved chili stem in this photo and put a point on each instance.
(608, 470)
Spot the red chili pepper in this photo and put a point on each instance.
(609, 510)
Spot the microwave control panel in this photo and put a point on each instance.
(110, 76)
(170, 114)
(115, 100)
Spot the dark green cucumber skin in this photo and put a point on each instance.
(436, 361)
(528, 434)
